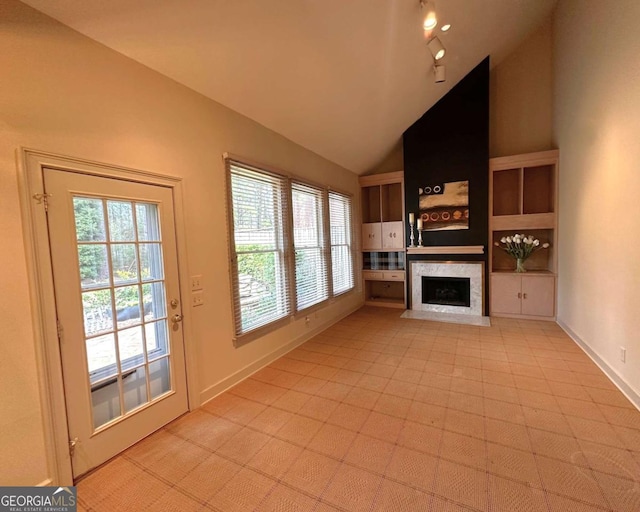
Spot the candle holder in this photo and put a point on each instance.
(419, 238)
(411, 235)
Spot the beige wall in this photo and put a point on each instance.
(596, 127)
(392, 162)
(63, 93)
(521, 97)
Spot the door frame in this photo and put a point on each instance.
(30, 163)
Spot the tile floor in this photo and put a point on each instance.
(380, 413)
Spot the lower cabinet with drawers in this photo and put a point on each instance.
(384, 287)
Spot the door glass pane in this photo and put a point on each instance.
(157, 337)
(120, 221)
(105, 399)
(101, 357)
(159, 377)
(97, 313)
(153, 301)
(147, 218)
(122, 278)
(89, 217)
(125, 264)
(131, 343)
(127, 306)
(150, 262)
(94, 267)
(135, 388)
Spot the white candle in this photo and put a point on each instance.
(411, 218)
(420, 224)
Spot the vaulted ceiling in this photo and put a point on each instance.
(343, 78)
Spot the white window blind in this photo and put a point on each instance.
(312, 285)
(258, 254)
(340, 223)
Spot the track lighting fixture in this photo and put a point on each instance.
(439, 72)
(429, 11)
(436, 48)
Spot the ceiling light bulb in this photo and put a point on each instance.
(446, 27)
(430, 20)
(436, 48)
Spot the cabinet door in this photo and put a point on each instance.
(392, 237)
(538, 295)
(371, 235)
(505, 294)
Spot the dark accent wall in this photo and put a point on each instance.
(450, 142)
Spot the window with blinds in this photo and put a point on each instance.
(259, 270)
(291, 247)
(340, 223)
(312, 284)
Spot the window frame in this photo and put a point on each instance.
(350, 245)
(323, 239)
(287, 234)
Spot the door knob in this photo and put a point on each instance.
(176, 319)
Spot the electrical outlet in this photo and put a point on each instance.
(307, 319)
(197, 299)
(196, 282)
(623, 354)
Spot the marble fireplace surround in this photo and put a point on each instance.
(474, 270)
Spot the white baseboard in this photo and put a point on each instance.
(221, 386)
(618, 381)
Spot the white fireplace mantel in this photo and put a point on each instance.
(447, 249)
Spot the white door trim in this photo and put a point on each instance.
(42, 298)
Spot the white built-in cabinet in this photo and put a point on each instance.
(523, 195)
(383, 245)
(527, 295)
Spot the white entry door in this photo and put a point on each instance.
(115, 271)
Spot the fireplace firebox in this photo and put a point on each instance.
(446, 291)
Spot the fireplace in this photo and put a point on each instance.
(446, 291)
(454, 287)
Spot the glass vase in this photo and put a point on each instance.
(520, 265)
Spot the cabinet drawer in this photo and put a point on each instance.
(393, 275)
(371, 276)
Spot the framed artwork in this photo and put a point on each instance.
(444, 206)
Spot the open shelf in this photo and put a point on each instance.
(378, 260)
(524, 191)
(541, 260)
(371, 204)
(387, 292)
(391, 202)
(506, 192)
(538, 189)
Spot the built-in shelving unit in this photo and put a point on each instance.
(523, 195)
(383, 246)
